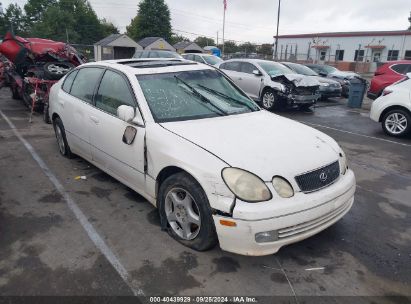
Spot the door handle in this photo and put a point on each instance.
(95, 120)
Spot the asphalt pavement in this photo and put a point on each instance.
(112, 243)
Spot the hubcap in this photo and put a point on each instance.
(268, 100)
(60, 140)
(396, 123)
(57, 69)
(182, 213)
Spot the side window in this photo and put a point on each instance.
(69, 81)
(198, 59)
(401, 68)
(145, 54)
(137, 54)
(85, 83)
(154, 54)
(247, 68)
(113, 92)
(232, 66)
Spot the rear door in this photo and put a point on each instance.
(232, 69)
(124, 161)
(250, 82)
(76, 98)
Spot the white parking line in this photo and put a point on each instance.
(353, 133)
(87, 226)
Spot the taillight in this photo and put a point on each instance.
(386, 92)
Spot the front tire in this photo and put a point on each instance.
(269, 99)
(63, 145)
(185, 211)
(397, 123)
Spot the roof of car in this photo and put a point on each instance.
(150, 65)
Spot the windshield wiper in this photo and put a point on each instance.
(226, 96)
(202, 97)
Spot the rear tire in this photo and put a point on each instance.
(46, 116)
(185, 212)
(64, 147)
(397, 123)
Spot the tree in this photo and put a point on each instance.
(152, 20)
(230, 47)
(247, 47)
(74, 21)
(266, 49)
(204, 41)
(13, 20)
(176, 38)
(35, 9)
(409, 19)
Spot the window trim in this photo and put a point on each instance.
(409, 68)
(65, 79)
(94, 91)
(130, 87)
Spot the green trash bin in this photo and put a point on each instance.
(358, 87)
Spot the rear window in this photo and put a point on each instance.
(85, 83)
(69, 81)
(401, 68)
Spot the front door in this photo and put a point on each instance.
(124, 161)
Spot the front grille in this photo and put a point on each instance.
(319, 178)
(305, 90)
(313, 224)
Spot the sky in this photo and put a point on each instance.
(255, 20)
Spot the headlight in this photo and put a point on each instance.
(245, 185)
(324, 84)
(343, 162)
(283, 187)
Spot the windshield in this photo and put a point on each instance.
(213, 60)
(193, 95)
(303, 70)
(275, 69)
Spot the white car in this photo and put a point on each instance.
(393, 108)
(218, 168)
(203, 58)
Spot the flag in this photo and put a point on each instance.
(225, 5)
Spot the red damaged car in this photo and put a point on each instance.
(388, 74)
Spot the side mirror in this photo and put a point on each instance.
(409, 75)
(257, 73)
(322, 74)
(125, 113)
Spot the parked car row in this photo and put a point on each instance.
(188, 139)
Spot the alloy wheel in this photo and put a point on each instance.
(396, 123)
(60, 140)
(268, 100)
(182, 213)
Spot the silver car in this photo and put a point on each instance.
(272, 84)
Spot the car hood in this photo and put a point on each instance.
(343, 75)
(260, 142)
(324, 80)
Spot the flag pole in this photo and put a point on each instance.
(225, 7)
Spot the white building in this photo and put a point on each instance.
(364, 48)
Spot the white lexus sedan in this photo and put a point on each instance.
(218, 168)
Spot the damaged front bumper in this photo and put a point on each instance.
(303, 99)
(277, 223)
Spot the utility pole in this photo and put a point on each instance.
(225, 8)
(217, 40)
(67, 37)
(276, 36)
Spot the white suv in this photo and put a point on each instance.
(218, 168)
(393, 108)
